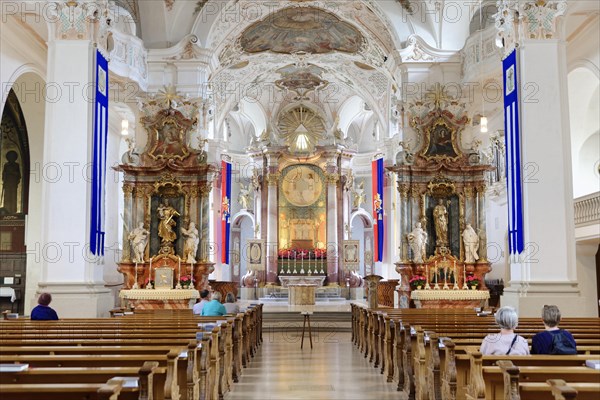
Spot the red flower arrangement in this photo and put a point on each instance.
(472, 281)
(298, 254)
(186, 280)
(417, 280)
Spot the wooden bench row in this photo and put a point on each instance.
(189, 363)
(403, 345)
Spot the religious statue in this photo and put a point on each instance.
(417, 241)
(440, 217)
(471, 243)
(359, 194)
(190, 244)
(166, 213)
(349, 184)
(138, 238)
(255, 179)
(11, 176)
(244, 196)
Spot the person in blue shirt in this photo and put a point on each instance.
(42, 312)
(553, 340)
(214, 308)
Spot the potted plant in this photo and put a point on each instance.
(417, 282)
(185, 281)
(472, 282)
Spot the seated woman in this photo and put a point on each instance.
(214, 308)
(507, 342)
(230, 305)
(553, 340)
(43, 312)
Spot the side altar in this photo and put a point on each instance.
(165, 214)
(441, 182)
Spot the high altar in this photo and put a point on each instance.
(165, 218)
(442, 210)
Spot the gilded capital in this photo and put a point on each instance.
(127, 189)
(273, 179)
(403, 189)
(332, 178)
(469, 192)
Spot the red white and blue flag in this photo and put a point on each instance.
(225, 210)
(378, 231)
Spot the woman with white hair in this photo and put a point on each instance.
(507, 342)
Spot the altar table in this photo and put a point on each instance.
(302, 295)
(450, 298)
(152, 299)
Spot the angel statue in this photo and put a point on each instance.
(190, 244)
(359, 194)
(244, 196)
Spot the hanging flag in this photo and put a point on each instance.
(516, 238)
(378, 232)
(225, 210)
(100, 137)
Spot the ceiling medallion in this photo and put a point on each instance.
(301, 129)
(301, 80)
(301, 29)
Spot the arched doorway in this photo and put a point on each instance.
(14, 197)
(361, 229)
(242, 229)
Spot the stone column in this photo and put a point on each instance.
(70, 272)
(481, 223)
(545, 271)
(272, 214)
(372, 281)
(403, 221)
(332, 228)
(127, 222)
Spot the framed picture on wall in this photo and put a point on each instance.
(351, 254)
(256, 254)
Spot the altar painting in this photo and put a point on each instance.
(302, 209)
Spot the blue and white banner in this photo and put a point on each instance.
(514, 170)
(100, 137)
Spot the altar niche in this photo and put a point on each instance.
(302, 221)
(442, 218)
(166, 189)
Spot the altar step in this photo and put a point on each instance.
(290, 321)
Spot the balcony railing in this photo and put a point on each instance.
(587, 209)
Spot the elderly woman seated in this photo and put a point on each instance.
(507, 342)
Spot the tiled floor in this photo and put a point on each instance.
(333, 370)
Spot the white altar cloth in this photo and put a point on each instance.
(159, 294)
(6, 291)
(287, 281)
(450, 294)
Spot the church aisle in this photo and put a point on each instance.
(332, 370)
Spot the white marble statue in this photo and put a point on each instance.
(471, 243)
(417, 241)
(244, 196)
(190, 243)
(138, 238)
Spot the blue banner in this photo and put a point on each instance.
(377, 177)
(514, 173)
(100, 137)
(225, 210)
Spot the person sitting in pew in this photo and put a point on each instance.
(507, 342)
(43, 312)
(230, 304)
(197, 309)
(553, 340)
(214, 308)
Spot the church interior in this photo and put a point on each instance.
(384, 167)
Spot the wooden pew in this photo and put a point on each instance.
(111, 390)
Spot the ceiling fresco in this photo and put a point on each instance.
(301, 79)
(301, 29)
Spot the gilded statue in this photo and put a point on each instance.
(417, 241)
(190, 244)
(166, 213)
(138, 239)
(440, 218)
(359, 194)
(471, 243)
(244, 196)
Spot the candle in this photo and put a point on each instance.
(136, 274)
(179, 268)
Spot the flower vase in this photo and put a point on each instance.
(473, 287)
(419, 287)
